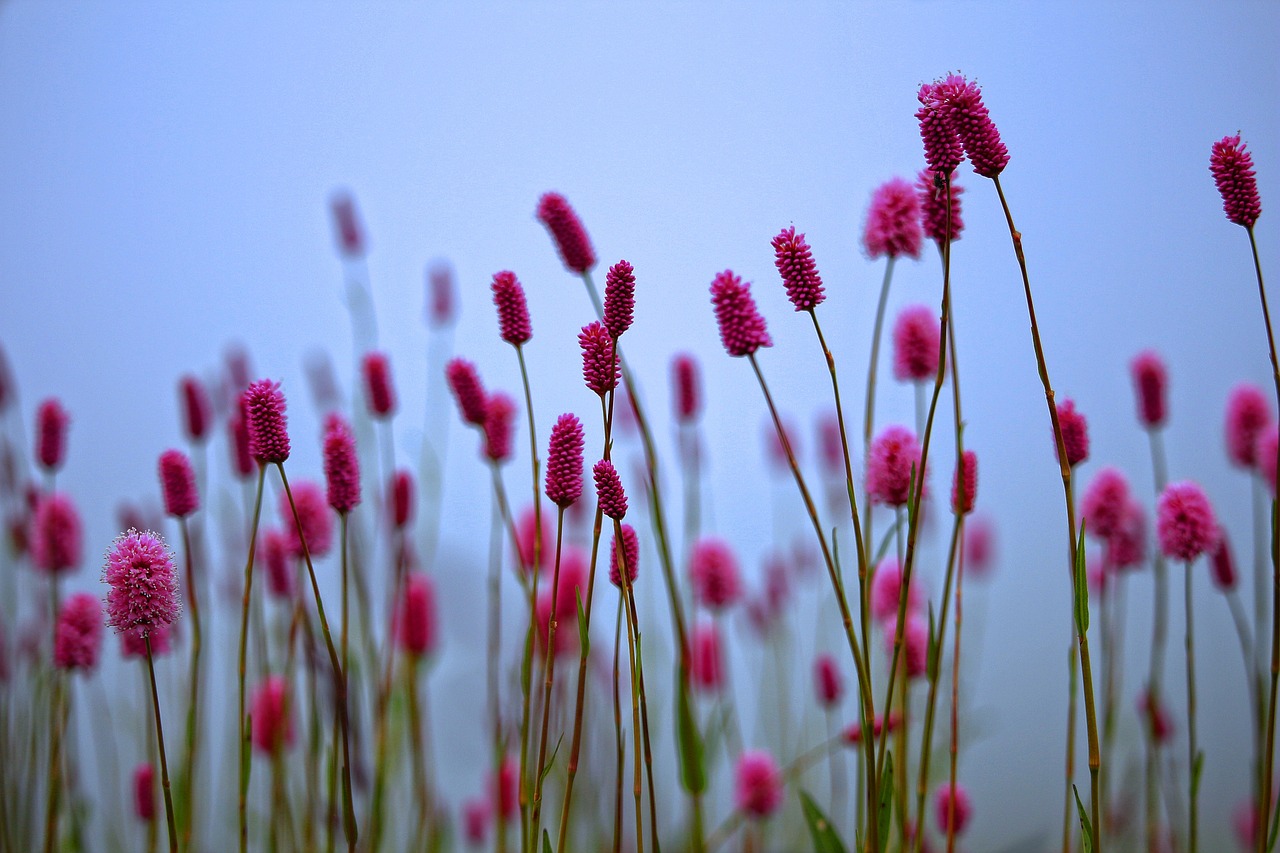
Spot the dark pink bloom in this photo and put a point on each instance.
(967, 476)
(609, 492)
(630, 551)
(1248, 413)
(794, 261)
(953, 808)
(1156, 716)
(893, 221)
(401, 498)
(416, 622)
(133, 644)
(341, 465)
(619, 298)
(513, 310)
(742, 328)
(467, 390)
(853, 732)
(278, 556)
(573, 582)
(501, 412)
(1245, 822)
(566, 230)
(546, 611)
(51, 434)
(272, 716)
(894, 455)
(144, 792)
(476, 815)
(178, 483)
(600, 367)
(1185, 522)
(714, 573)
(379, 391)
(79, 635)
(264, 412)
(886, 591)
(1264, 455)
(1223, 565)
(1104, 502)
(934, 207)
(238, 441)
(195, 408)
(440, 294)
(144, 585)
(827, 681)
(313, 526)
(915, 344)
(346, 224)
(563, 483)
(706, 658)
(527, 533)
(1232, 168)
(1150, 381)
(505, 788)
(973, 125)
(758, 791)
(1127, 546)
(688, 399)
(1075, 433)
(55, 534)
(914, 655)
(942, 148)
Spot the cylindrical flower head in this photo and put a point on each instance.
(967, 476)
(566, 230)
(758, 789)
(440, 294)
(630, 551)
(1184, 521)
(272, 716)
(79, 635)
(1127, 545)
(619, 298)
(1104, 502)
(1268, 445)
(313, 518)
(133, 644)
(467, 390)
(143, 592)
(278, 556)
(501, 412)
(893, 221)
(1232, 168)
(545, 610)
(264, 412)
(894, 454)
(979, 546)
(178, 482)
(1075, 433)
(416, 625)
(688, 398)
(1150, 381)
(346, 224)
(827, 681)
(1248, 413)
(942, 148)
(742, 328)
(341, 465)
(476, 816)
(527, 534)
(1223, 565)
(600, 369)
(563, 483)
(238, 441)
(794, 260)
(916, 344)
(513, 310)
(379, 391)
(714, 574)
(886, 590)
(55, 534)
(977, 133)
(706, 658)
(914, 655)
(144, 793)
(609, 492)
(953, 808)
(934, 207)
(51, 434)
(195, 408)
(505, 788)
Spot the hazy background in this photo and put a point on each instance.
(164, 177)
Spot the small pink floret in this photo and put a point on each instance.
(893, 456)
(758, 792)
(143, 593)
(1184, 522)
(1150, 381)
(714, 573)
(893, 221)
(742, 328)
(916, 339)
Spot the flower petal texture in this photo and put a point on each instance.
(143, 593)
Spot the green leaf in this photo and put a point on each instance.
(885, 818)
(1082, 587)
(692, 773)
(931, 661)
(584, 638)
(825, 839)
(1086, 828)
(551, 760)
(546, 841)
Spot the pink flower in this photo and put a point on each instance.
(979, 546)
(953, 808)
(401, 498)
(313, 528)
(600, 368)
(742, 328)
(974, 127)
(264, 412)
(504, 788)
(886, 591)
(278, 557)
(934, 207)
(467, 390)
(853, 732)
(564, 461)
(178, 483)
(915, 344)
(1097, 573)
(440, 294)
(566, 230)
(1127, 547)
(613, 500)
(893, 221)
(144, 585)
(914, 655)
(827, 681)
(967, 474)
(527, 534)
(1232, 168)
(758, 792)
(1185, 522)
(713, 571)
(829, 443)
(794, 261)
(942, 148)
(379, 391)
(630, 552)
(546, 610)
(238, 442)
(1075, 433)
(272, 717)
(706, 658)
(1104, 502)
(144, 792)
(619, 298)
(346, 224)
(416, 622)
(1150, 381)
(573, 583)
(1223, 565)
(55, 534)
(893, 456)
(1264, 455)
(501, 412)
(79, 634)
(513, 310)
(1248, 413)
(341, 465)
(195, 408)
(688, 399)
(775, 450)
(51, 434)
(475, 820)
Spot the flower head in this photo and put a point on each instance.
(504, 787)
(758, 791)
(312, 531)
(1104, 502)
(1185, 522)
(238, 442)
(55, 534)
(886, 590)
(935, 207)
(973, 125)
(272, 718)
(379, 390)
(942, 148)
(1127, 545)
(1075, 433)
(713, 570)
(827, 681)
(688, 399)
(264, 412)
(706, 658)
(566, 229)
(891, 461)
(513, 310)
(600, 368)
(1232, 168)
(178, 482)
(794, 261)
(144, 586)
(609, 492)
(564, 461)
(51, 434)
(277, 554)
(619, 298)
(1248, 413)
(952, 808)
(416, 622)
(916, 343)
(401, 498)
(441, 310)
(1264, 454)
(476, 815)
(893, 221)
(1156, 716)
(144, 792)
(1150, 381)
(346, 224)
(630, 548)
(964, 484)
(1223, 565)
(915, 645)
(501, 412)
(79, 634)
(341, 465)
(742, 328)
(464, 381)
(195, 408)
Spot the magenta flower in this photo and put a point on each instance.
(979, 546)
(341, 465)
(758, 789)
(416, 622)
(566, 230)
(144, 792)
(278, 556)
(55, 534)
(1150, 381)
(79, 634)
(195, 408)
(504, 788)
(1248, 414)
(264, 412)
(942, 148)
(346, 224)
(513, 310)
(619, 298)
(893, 456)
(178, 482)
(1232, 168)
(964, 484)
(830, 447)
(464, 381)
(600, 369)
(1264, 454)
(272, 716)
(1075, 433)
(51, 434)
(974, 127)
(1223, 565)
(952, 808)
(143, 592)
(794, 261)
(133, 644)
(238, 443)
(1156, 716)
(742, 328)
(441, 310)
(1127, 545)
(501, 412)
(714, 574)
(827, 681)
(915, 645)
(545, 611)
(1104, 503)
(609, 492)
(886, 591)
(688, 399)
(313, 518)
(476, 816)
(631, 553)
(706, 658)
(893, 221)
(401, 498)
(379, 390)
(916, 344)
(563, 483)
(934, 207)
(1184, 522)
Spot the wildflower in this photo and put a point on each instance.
(1156, 716)
(346, 224)
(1127, 545)
(312, 531)
(1232, 168)
(440, 294)
(1185, 522)
(144, 586)
(613, 500)
(973, 125)
(619, 298)
(742, 328)
(916, 344)
(379, 391)
(1223, 565)
(893, 221)
(527, 533)
(893, 459)
(475, 820)
(1075, 433)
(1264, 455)
(51, 434)
(144, 792)
(264, 412)
(564, 461)
(942, 148)
(853, 732)
(178, 482)
(964, 484)
(1248, 413)
(915, 645)
(278, 556)
(341, 465)
(953, 808)
(467, 390)
(501, 411)
(688, 399)
(600, 367)
(195, 408)
(566, 230)
(79, 633)
(706, 658)
(714, 573)
(1150, 380)
(55, 534)
(630, 552)
(1104, 502)
(827, 681)
(401, 498)
(794, 261)
(758, 792)
(272, 719)
(513, 310)
(238, 435)
(934, 209)
(504, 788)
(416, 625)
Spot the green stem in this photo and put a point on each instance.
(1159, 632)
(193, 717)
(528, 842)
(1193, 747)
(164, 762)
(244, 647)
(549, 671)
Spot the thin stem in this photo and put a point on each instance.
(549, 670)
(955, 703)
(193, 720)
(424, 805)
(1252, 686)
(1193, 748)
(1159, 633)
(55, 726)
(621, 756)
(494, 650)
(164, 762)
(244, 647)
(872, 369)
(644, 716)
(528, 842)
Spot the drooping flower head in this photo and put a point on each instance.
(341, 465)
(51, 434)
(742, 328)
(1150, 381)
(619, 298)
(379, 390)
(513, 309)
(827, 681)
(1104, 502)
(600, 368)
(441, 308)
(401, 498)
(464, 381)
(688, 399)
(942, 148)
(566, 230)
(794, 260)
(964, 484)
(313, 526)
(893, 456)
(272, 716)
(178, 483)
(630, 552)
(1223, 565)
(498, 423)
(714, 573)
(893, 221)
(1232, 168)
(564, 461)
(973, 125)
(952, 808)
(609, 492)
(143, 592)
(416, 619)
(935, 207)
(1075, 433)
(264, 413)
(758, 789)
(79, 634)
(1185, 522)
(1248, 413)
(916, 344)
(886, 591)
(55, 539)
(144, 792)
(195, 408)
(346, 224)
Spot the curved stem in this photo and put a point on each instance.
(164, 762)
